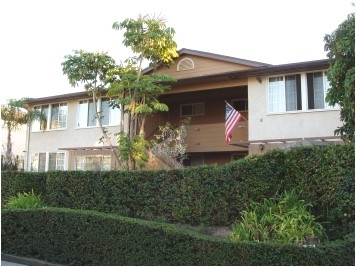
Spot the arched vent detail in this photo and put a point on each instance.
(185, 64)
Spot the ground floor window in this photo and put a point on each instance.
(194, 160)
(93, 163)
(44, 161)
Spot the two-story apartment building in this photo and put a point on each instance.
(280, 104)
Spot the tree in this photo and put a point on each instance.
(135, 94)
(91, 69)
(341, 74)
(14, 114)
(138, 94)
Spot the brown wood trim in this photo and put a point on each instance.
(284, 140)
(87, 148)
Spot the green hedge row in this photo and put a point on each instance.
(208, 195)
(72, 237)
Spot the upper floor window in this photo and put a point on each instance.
(318, 86)
(109, 115)
(193, 109)
(54, 116)
(58, 116)
(185, 64)
(284, 93)
(304, 91)
(87, 115)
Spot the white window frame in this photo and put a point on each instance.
(277, 102)
(304, 94)
(35, 163)
(326, 87)
(114, 114)
(83, 115)
(36, 125)
(275, 94)
(61, 124)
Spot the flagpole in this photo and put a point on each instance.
(239, 112)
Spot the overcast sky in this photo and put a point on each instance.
(37, 34)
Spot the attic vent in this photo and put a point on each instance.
(185, 64)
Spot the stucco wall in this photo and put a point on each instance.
(297, 124)
(18, 138)
(72, 136)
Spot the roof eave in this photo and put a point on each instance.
(267, 70)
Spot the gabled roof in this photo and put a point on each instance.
(251, 63)
(260, 69)
(185, 51)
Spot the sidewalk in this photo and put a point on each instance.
(7, 263)
(12, 260)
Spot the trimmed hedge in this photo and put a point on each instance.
(72, 237)
(18, 182)
(326, 178)
(208, 195)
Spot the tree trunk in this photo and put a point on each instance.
(8, 157)
(104, 131)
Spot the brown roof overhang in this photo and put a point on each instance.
(263, 71)
(259, 71)
(57, 98)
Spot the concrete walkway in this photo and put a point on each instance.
(8, 263)
(12, 260)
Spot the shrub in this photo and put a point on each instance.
(85, 238)
(207, 195)
(25, 201)
(284, 218)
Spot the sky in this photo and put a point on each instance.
(37, 34)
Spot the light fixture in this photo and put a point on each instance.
(261, 147)
(259, 79)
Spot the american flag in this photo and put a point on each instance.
(232, 117)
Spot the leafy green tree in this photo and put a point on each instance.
(341, 74)
(135, 94)
(15, 114)
(91, 69)
(151, 40)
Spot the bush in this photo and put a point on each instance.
(85, 238)
(284, 218)
(17, 182)
(207, 195)
(24, 201)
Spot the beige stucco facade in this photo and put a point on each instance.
(59, 140)
(295, 124)
(206, 81)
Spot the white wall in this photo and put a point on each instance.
(18, 138)
(298, 124)
(72, 136)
